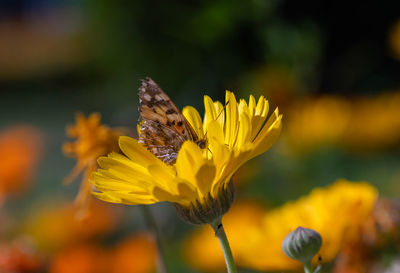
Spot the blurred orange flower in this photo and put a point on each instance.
(21, 148)
(56, 227)
(136, 254)
(256, 236)
(19, 256)
(92, 141)
(381, 230)
(81, 259)
(279, 83)
(394, 39)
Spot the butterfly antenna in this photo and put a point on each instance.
(205, 134)
(222, 110)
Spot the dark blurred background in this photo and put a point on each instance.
(58, 57)
(62, 56)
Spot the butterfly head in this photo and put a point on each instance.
(202, 143)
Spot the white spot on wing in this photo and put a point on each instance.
(147, 97)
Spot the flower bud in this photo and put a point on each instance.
(302, 244)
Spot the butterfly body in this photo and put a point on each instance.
(163, 128)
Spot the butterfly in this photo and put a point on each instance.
(163, 128)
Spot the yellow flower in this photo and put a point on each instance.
(92, 141)
(375, 123)
(312, 123)
(337, 212)
(235, 134)
(243, 220)
(362, 124)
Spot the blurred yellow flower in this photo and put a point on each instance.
(374, 123)
(234, 135)
(21, 147)
(361, 124)
(312, 123)
(201, 248)
(336, 212)
(92, 141)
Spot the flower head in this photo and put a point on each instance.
(234, 134)
(21, 148)
(81, 258)
(55, 227)
(360, 124)
(92, 140)
(134, 254)
(142, 247)
(20, 255)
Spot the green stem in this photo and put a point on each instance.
(308, 267)
(152, 226)
(223, 240)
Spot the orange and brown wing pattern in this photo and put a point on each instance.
(163, 128)
(161, 141)
(155, 105)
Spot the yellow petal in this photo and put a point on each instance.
(136, 152)
(268, 134)
(164, 196)
(252, 105)
(126, 168)
(215, 130)
(262, 107)
(243, 108)
(210, 113)
(189, 158)
(186, 190)
(232, 119)
(219, 109)
(244, 132)
(193, 117)
(205, 177)
(163, 177)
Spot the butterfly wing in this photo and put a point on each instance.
(163, 128)
(160, 140)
